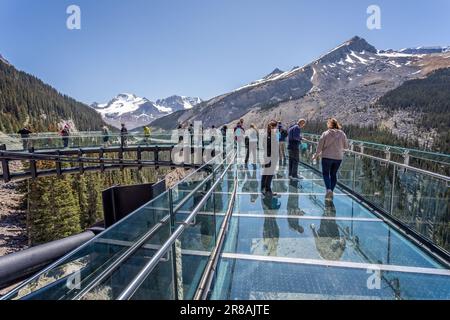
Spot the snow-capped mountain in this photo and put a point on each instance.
(136, 111)
(425, 50)
(176, 103)
(345, 83)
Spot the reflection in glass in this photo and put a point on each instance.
(329, 242)
(271, 231)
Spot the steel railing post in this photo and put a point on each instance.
(354, 173)
(394, 173)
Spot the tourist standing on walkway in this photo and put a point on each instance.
(25, 135)
(123, 135)
(191, 135)
(294, 140)
(331, 147)
(282, 136)
(251, 144)
(147, 132)
(105, 133)
(223, 130)
(65, 133)
(268, 170)
(239, 136)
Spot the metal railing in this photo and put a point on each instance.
(113, 265)
(129, 291)
(430, 161)
(416, 199)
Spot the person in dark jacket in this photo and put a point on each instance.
(123, 135)
(223, 130)
(65, 133)
(268, 171)
(294, 140)
(239, 137)
(25, 135)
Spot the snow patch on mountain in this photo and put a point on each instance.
(136, 111)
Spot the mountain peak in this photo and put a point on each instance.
(360, 44)
(355, 44)
(275, 72)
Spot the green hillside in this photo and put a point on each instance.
(26, 99)
(430, 97)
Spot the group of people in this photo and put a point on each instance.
(330, 149)
(123, 135)
(25, 133)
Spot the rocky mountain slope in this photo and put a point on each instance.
(345, 82)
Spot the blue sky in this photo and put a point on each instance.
(156, 48)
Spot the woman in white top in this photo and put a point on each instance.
(332, 145)
(251, 144)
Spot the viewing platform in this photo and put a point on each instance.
(214, 235)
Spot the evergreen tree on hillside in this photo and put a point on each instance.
(53, 211)
(430, 99)
(26, 99)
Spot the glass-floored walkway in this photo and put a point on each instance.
(295, 245)
(292, 245)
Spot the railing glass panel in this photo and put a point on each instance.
(418, 198)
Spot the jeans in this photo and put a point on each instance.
(330, 169)
(294, 158)
(266, 182)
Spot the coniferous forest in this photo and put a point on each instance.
(57, 207)
(430, 98)
(26, 100)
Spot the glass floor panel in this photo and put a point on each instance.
(295, 245)
(325, 239)
(245, 279)
(300, 204)
(284, 185)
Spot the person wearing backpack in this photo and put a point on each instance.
(65, 133)
(331, 147)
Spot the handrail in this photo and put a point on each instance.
(62, 259)
(210, 269)
(148, 268)
(132, 249)
(391, 147)
(402, 165)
